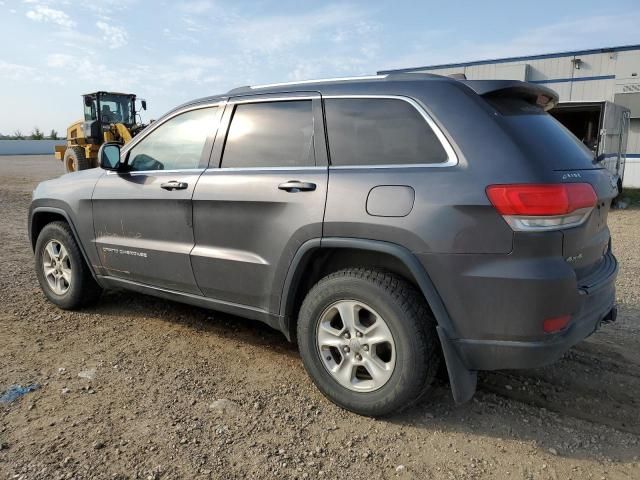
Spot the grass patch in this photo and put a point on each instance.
(632, 195)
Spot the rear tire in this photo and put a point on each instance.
(62, 272)
(377, 381)
(75, 160)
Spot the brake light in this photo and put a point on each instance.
(555, 324)
(535, 207)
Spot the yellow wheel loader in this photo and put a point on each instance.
(108, 117)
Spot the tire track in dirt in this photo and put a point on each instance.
(543, 401)
(607, 396)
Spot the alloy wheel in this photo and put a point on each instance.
(356, 346)
(56, 266)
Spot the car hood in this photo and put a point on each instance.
(68, 184)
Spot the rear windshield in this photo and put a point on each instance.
(541, 136)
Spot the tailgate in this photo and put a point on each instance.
(585, 246)
(550, 147)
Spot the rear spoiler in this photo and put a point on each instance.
(530, 92)
(535, 94)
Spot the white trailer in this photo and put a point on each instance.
(601, 126)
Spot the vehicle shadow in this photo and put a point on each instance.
(253, 332)
(584, 406)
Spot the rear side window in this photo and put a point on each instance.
(540, 136)
(379, 131)
(270, 134)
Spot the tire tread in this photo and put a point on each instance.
(418, 318)
(89, 291)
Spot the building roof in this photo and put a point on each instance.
(515, 59)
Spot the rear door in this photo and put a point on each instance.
(143, 218)
(261, 198)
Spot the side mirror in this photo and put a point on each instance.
(144, 104)
(109, 156)
(88, 101)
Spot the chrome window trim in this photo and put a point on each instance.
(158, 123)
(267, 169)
(266, 99)
(452, 157)
(137, 172)
(391, 166)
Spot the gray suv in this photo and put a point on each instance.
(384, 223)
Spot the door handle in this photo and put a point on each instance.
(174, 185)
(294, 186)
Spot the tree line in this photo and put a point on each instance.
(36, 134)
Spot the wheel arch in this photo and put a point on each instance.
(307, 267)
(41, 216)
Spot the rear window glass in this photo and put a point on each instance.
(541, 136)
(375, 131)
(270, 134)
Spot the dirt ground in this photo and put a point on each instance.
(182, 392)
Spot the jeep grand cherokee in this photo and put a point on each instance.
(383, 223)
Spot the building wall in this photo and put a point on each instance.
(29, 147)
(597, 78)
(601, 75)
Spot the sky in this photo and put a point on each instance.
(168, 52)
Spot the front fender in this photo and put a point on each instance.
(41, 213)
(68, 197)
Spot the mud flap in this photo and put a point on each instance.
(463, 381)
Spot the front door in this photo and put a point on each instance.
(262, 197)
(143, 218)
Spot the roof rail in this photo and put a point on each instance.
(303, 82)
(389, 76)
(411, 75)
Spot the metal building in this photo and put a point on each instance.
(597, 75)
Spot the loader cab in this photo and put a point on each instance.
(101, 109)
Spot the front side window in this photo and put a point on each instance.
(176, 144)
(270, 134)
(379, 131)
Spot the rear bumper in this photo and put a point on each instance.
(596, 302)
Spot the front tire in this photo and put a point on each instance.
(61, 270)
(368, 341)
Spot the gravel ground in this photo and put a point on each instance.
(137, 387)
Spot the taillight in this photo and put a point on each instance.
(536, 207)
(555, 324)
